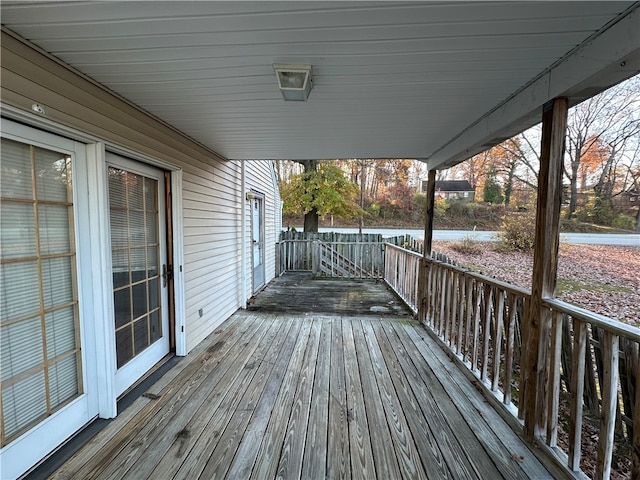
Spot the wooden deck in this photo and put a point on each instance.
(309, 396)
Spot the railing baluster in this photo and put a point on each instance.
(497, 339)
(635, 449)
(437, 278)
(428, 294)
(443, 302)
(510, 350)
(436, 298)
(416, 293)
(577, 392)
(610, 348)
(462, 286)
(455, 311)
(448, 303)
(486, 330)
(468, 314)
(523, 353)
(554, 379)
(476, 324)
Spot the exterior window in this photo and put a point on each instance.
(40, 362)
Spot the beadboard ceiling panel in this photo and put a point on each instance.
(429, 80)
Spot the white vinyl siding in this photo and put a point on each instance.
(213, 243)
(211, 247)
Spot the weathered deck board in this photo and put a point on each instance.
(280, 414)
(310, 396)
(362, 464)
(384, 457)
(433, 461)
(290, 464)
(406, 449)
(507, 450)
(226, 391)
(338, 461)
(441, 414)
(172, 425)
(299, 293)
(253, 414)
(140, 409)
(314, 463)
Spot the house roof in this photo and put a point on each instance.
(454, 186)
(438, 81)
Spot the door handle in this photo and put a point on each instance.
(167, 274)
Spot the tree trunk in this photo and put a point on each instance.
(508, 187)
(573, 189)
(311, 221)
(311, 218)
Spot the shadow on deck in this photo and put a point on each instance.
(318, 379)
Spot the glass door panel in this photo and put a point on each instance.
(137, 247)
(40, 364)
(257, 234)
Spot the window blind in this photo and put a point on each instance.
(40, 367)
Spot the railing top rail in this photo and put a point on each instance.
(410, 252)
(329, 242)
(600, 321)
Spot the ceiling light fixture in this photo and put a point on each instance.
(295, 81)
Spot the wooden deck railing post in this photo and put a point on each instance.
(538, 328)
(426, 254)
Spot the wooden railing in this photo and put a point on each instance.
(592, 376)
(294, 256)
(332, 259)
(401, 274)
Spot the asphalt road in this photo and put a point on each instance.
(584, 238)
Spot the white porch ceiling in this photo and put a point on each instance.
(430, 80)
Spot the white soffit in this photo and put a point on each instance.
(391, 80)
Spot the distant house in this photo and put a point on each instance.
(453, 190)
(627, 200)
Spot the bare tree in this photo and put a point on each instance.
(609, 118)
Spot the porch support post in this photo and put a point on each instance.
(537, 333)
(426, 254)
(428, 219)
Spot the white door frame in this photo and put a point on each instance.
(103, 300)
